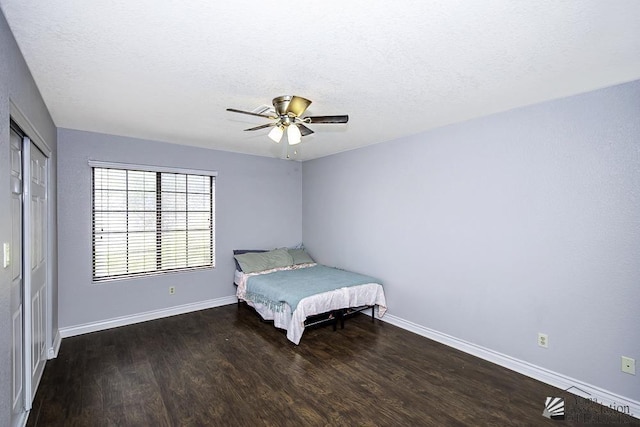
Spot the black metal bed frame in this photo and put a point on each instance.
(339, 315)
(331, 317)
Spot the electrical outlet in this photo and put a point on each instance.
(628, 365)
(172, 290)
(543, 340)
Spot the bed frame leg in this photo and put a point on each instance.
(373, 317)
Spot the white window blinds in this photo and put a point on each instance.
(149, 222)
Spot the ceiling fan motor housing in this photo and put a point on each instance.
(290, 105)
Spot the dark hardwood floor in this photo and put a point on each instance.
(224, 367)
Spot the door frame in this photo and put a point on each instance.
(33, 136)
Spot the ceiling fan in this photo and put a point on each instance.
(287, 113)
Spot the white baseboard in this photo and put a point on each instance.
(52, 353)
(115, 322)
(546, 376)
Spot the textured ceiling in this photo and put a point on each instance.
(166, 70)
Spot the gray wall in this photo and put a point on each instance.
(258, 204)
(17, 86)
(499, 228)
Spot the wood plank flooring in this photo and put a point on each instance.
(224, 367)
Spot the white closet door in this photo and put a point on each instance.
(15, 266)
(36, 263)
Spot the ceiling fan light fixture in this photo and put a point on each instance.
(293, 134)
(276, 133)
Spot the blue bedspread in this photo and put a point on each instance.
(291, 286)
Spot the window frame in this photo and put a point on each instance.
(158, 170)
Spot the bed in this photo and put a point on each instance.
(287, 287)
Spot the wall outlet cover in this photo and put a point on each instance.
(543, 340)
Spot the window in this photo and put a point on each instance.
(151, 221)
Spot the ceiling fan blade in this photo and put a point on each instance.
(233, 110)
(327, 119)
(268, 125)
(298, 105)
(304, 131)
